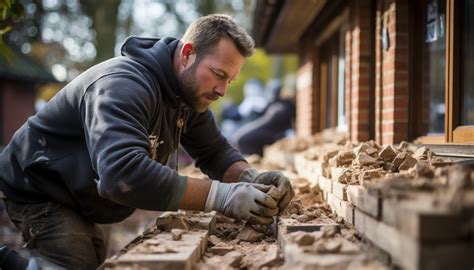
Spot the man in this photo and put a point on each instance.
(99, 149)
(275, 122)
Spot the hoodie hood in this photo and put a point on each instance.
(157, 56)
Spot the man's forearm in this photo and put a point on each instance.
(195, 195)
(233, 172)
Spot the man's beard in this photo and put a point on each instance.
(189, 89)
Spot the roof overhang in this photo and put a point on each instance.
(279, 25)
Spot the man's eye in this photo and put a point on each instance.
(219, 75)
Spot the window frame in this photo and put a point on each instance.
(455, 131)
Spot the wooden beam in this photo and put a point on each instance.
(290, 25)
(464, 134)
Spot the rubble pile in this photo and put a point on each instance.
(355, 164)
(237, 244)
(280, 155)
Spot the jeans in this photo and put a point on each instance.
(58, 234)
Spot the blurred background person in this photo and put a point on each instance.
(252, 107)
(254, 103)
(276, 122)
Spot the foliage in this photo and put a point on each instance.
(259, 66)
(9, 10)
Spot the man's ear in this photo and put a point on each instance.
(187, 54)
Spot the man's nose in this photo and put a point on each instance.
(221, 89)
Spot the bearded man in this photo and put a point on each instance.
(100, 148)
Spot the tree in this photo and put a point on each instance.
(10, 12)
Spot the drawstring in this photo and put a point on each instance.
(181, 125)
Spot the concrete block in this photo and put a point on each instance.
(339, 190)
(410, 253)
(325, 184)
(364, 201)
(341, 208)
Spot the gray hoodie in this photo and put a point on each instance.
(101, 144)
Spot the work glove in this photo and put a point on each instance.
(275, 178)
(242, 201)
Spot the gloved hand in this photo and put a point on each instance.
(242, 201)
(275, 178)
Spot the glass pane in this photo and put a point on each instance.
(433, 64)
(467, 63)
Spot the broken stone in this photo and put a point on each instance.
(305, 218)
(345, 176)
(248, 234)
(327, 156)
(372, 151)
(329, 231)
(167, 223)
(329, 246)
(233, 258)
(294, 208)
(388, 153)
(397, 161)
(221, 249)
(374, 174)
(270, 259)
(423, 170)
(421, 153)
(407, 163)
(177, 234)
(304, 188)
(223, 219)
(349, 247)
(214, 240)
(364, 159)
(459, 177)
(303, 239)
(362, 148)
(345, 157)
(234, 242)
(403, 145)
(373, 144)
(274, 193)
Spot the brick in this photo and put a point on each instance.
(364, 201)
(155, 249)
(409, 253)
(421, 219)
(339, 190)
(289, 225)
(341, 208)
(325, 184)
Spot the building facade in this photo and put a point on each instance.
(388, 70)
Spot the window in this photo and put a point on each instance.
(433, 67)
(467, 64)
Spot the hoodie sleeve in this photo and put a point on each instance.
(116, 111)
(204, 142)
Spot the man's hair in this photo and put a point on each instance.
(206, 32)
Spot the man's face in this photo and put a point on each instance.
(205, 80)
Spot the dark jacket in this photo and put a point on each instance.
(100, 145)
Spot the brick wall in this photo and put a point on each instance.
(358, 57)
(307, 98)
(389, 104)
(392, 78)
